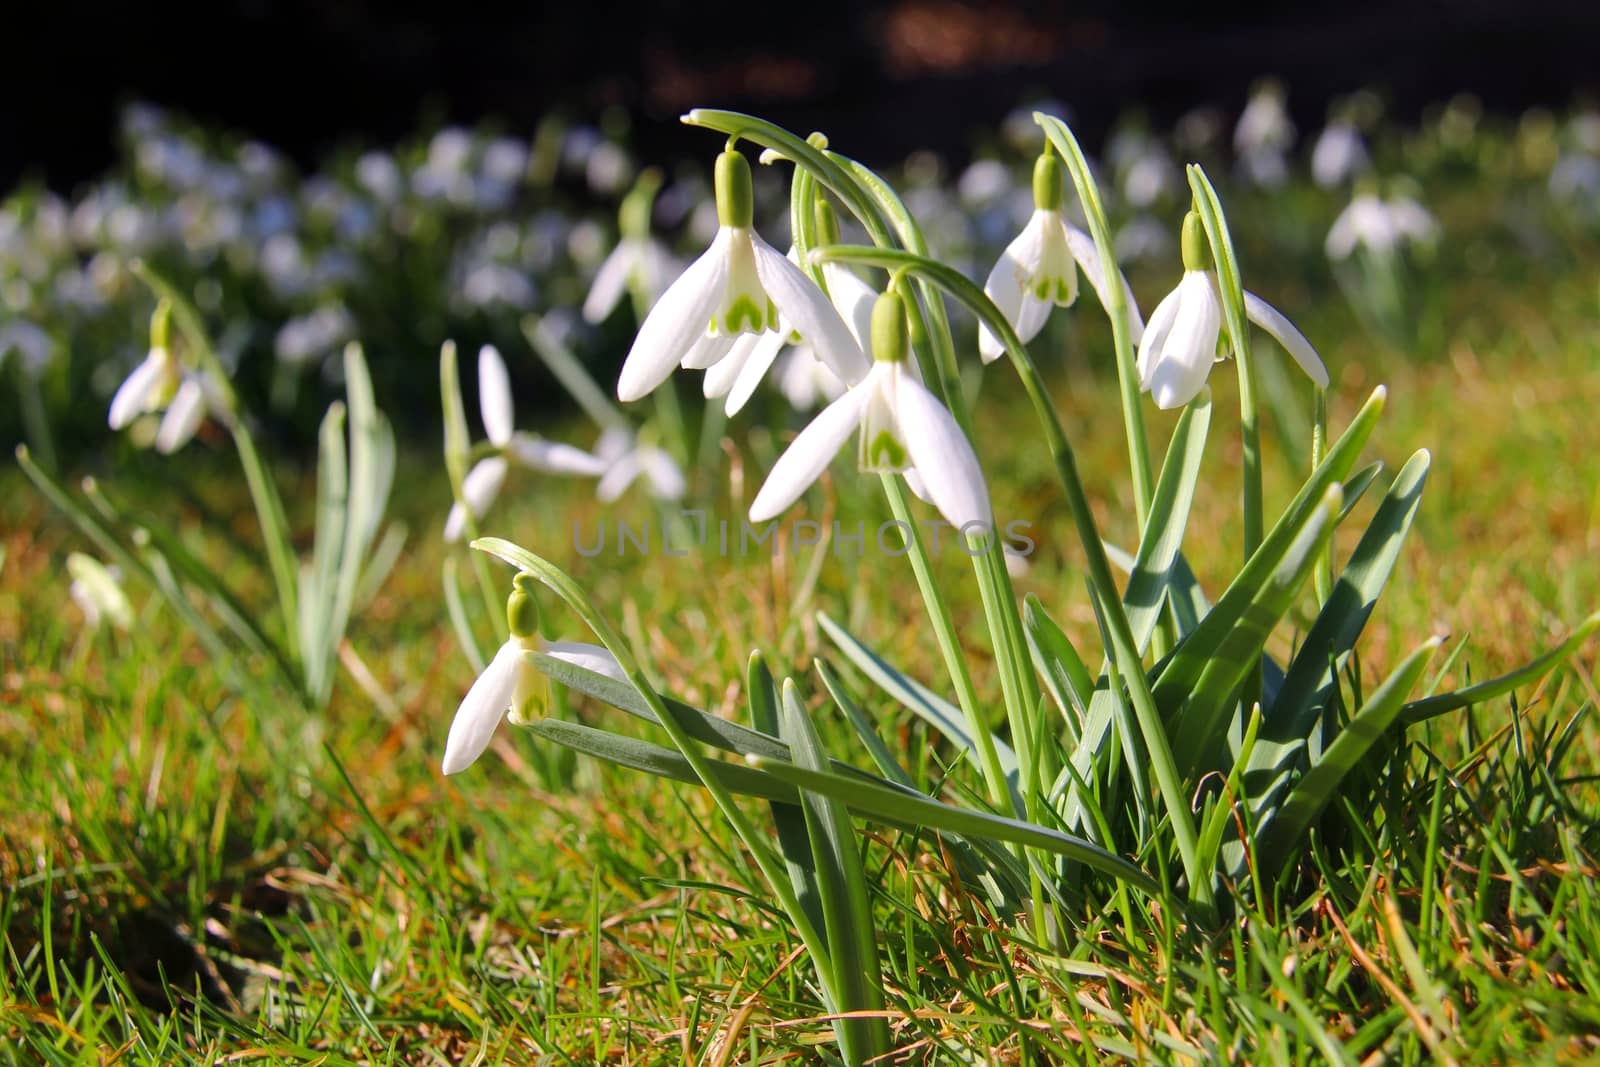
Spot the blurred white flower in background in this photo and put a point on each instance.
(1381, 225)
(1339, 155)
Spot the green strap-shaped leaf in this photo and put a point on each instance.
(921, 701)
(879, 801)
(1065, 675)
(661, 761)
(1278, 835)
(1182, 673)
(1292, 718)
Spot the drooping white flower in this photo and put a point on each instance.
(740, 285)
(1339, 155)
(903, 428)
(1180, 341)
(741, 370)
(1039, 269)
(483, 482)
(162, 383)
(635, 258)
(97, 591)
(627, 459)
(1381, 225)
(1264, 124)
(510, 686)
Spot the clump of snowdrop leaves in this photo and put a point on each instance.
(903, 429)
(1039, 269)
(510, 686)
(509, 446)
(1180, 342)
(162, 384)
(740, 286)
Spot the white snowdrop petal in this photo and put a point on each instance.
(478, 489)
(1155, 336)
(667, 481)
(811, 452)
(610, 282)
(553, 457)
(618, 478)
(1031, 319)
(592, 658)
(853, 299)
(804, 305)
(481, 710)
(494, 395)
(1288, 335)
(133, 395)
(1088, 258)
(943, 457)
(183, 418)
(719, 378)
(679, 319)
(1191, 346)
(710, 350)
(1007, 282)
(755, 368)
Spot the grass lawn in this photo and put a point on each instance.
(192, 873)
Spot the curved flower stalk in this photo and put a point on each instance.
(1039, 269)
(1381, 225)
(161, 383)
(1180, 342)
(903, 429)
(626, 459)
(741, 285)
(483, 482)
(510, 686)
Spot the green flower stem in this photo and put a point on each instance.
(456, 454)
(771, 865)
(944, 631)
(263, 490)
(570, 372)
(1125, 648)
(1060, 136)
(1238, 329)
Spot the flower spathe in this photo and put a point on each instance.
(903, 428)
(740, 285)
(511, 685)
(1039, 268)
(483, 482)
(1180, 341)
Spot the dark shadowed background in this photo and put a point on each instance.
(882, 77)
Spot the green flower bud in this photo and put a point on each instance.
(1048, 183)
(1196, 251)
(522, 609)
(634, 216)
(161, 325)
(889, 328)
(736, 202)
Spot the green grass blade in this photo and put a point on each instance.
(661, 761)
(317, 584)
(1065, 676)
(1169, 516)
(1428, 707)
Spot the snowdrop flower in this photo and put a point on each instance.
(510, 686)
(1339, 155)
(1040, 267)
(482, 484)
(638, 261)
(1379, 225)
(161, 383)
(627, 460)
(1180, 342)
(804, 380)
(737, 374)
(903, 428)
(740, 285)
(1263, 134)
(97, 591)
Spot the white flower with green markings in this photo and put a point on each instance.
(903, 429)
(483, 482)
(1180, 342)
(97, 590)
(510, 686)
(1039, 269)
(740, 286)
(161, 383)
